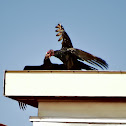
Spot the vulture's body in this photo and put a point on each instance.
(72, 57)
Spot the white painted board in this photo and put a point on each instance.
(73, 124)
(65, 83)
(77, 121)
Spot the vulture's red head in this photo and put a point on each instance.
(50, 53)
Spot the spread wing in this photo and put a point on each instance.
(84, 56)
(81, 55)
(66, 43)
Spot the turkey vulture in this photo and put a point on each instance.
(72, 57)
(47, 65)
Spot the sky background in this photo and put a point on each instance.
(27, 32)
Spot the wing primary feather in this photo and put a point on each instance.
(93, 63)
(59, 30)
(60, 33)
(90, 62)
(60, 38)
(101, 62)
(98, 64)
(58, 26)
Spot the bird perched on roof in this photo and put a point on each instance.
(72, 57)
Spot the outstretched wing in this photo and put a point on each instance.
(94, 60)
(66, 43)
(81, 55)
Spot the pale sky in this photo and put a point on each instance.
(27, 32)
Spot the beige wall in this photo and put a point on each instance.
(82, 109)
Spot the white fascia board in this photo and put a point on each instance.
(108, 84)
